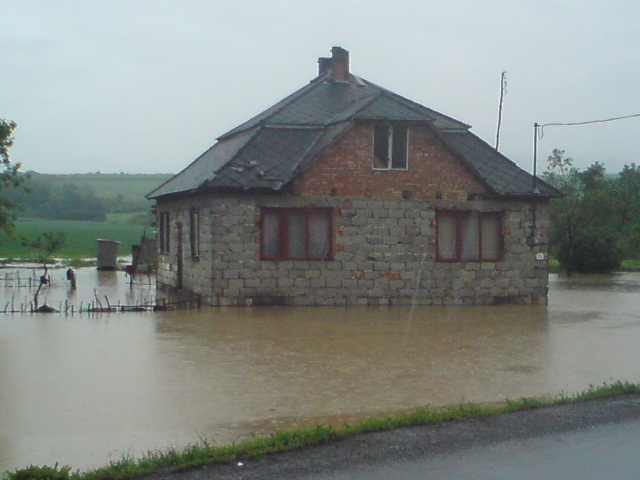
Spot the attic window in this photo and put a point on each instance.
(390, 145)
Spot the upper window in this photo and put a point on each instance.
(296, 234)
(390, 146)
(469, 236)
(194, 232)
(164, 232)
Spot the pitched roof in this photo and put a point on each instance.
(272, 148)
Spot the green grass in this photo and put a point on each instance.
(630, 266)
(554, 266)
(207, 453)
(80, 236)
(626, 266)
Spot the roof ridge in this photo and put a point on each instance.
(415, 106)
(303, 157)
(275, 108)
(365, 106)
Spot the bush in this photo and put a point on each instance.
(41, 473)
(591, 254)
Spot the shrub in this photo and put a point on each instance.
(41, 473)
(591, 254)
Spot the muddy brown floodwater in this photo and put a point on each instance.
(86, 389)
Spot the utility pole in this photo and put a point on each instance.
(503, 90)
(535, 157)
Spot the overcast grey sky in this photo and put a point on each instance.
(145, 86)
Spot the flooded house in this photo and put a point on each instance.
(346, 193)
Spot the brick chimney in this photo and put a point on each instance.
(338, 64)
(324, 65)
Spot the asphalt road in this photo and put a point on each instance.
(607, 451)
(587, 440)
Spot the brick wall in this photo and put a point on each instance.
(345, 169)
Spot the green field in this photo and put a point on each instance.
(80, 236)
(121, 193)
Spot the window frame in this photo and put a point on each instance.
(194, 232)
(164, 233)
(284, 222)
(462, 219)
(391, 146)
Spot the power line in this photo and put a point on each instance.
(573, 124)
(538, 133)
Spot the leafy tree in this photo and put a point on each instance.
(9, 175)
(33, 197)
(583, 232)
(628, 209)
(78, 203)
(67, 202)
(44, 246)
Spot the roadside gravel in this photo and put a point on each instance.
(418, 442)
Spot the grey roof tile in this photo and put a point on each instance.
(268, 159)
(502, 175)
(269, 150)
(204, 168)
(324, 104)
(389, 108)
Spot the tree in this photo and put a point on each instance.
(41, 198)
(628, 208)
(44, 246)
(9, 175)
(583, 232)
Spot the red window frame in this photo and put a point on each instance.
(474, 220)
(277, 223)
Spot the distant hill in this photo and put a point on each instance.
(86, 196)
(109, 185)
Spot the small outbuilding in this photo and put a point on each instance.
(107, 254)
(345, 193)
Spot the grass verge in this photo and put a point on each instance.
(207, 453)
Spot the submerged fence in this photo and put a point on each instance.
(19, 280)
(14, 279)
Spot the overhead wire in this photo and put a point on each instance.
(538, 134)
(572, 124)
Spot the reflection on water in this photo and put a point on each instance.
(83, 390)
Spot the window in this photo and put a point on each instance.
(194, 232)
(469, 236)
(296, 234)
(164, 232)
(390, 146)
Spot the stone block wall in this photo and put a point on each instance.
(384, 254)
